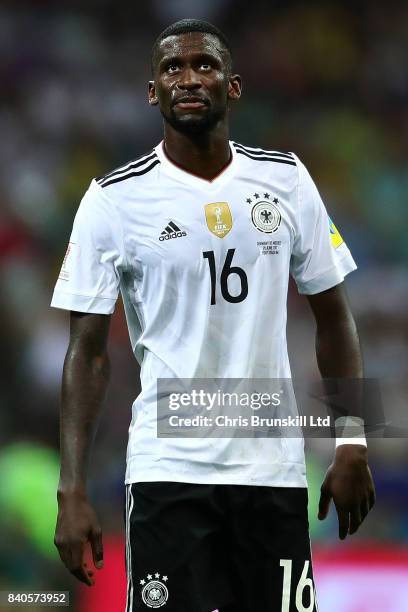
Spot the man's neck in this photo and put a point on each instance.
(202, 154)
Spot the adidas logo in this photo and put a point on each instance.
(171, 231)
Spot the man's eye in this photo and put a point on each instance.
(205, 67)
(172, 68)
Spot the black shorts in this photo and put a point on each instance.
(232, 548)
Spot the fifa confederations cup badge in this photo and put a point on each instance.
(154, 592)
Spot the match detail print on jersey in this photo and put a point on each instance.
(219, 218)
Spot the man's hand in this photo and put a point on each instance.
(77, 524)
(349, 482)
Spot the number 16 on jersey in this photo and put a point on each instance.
(226, 271)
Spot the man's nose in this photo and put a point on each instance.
(189, 80)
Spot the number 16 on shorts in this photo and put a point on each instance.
(304, 588)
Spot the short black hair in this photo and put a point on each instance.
(185, 26)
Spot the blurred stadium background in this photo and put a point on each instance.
(327, 80)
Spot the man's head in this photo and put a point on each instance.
(192, 81)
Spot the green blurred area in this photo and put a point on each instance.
(28, 502)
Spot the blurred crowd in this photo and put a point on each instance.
(327, 80)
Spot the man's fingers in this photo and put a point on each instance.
(77, 527)
(97, 548)
(355, 519)
(64, 554)
(90, 572)
(324, 503)
(77, 565)
(72, 557)
(364, 508)
(82, 575)
(343, 522)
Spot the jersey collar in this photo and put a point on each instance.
(192, 179)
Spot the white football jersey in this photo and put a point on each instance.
(203, 269)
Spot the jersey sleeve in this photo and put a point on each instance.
(90, 274)
(320, 258)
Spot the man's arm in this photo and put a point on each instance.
(348, 480)
(84, 382)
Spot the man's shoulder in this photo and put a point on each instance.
(123, 176)
(280, 168)
(257, 154)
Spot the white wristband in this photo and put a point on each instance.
(350, 430)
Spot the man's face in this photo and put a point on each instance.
(192, 82)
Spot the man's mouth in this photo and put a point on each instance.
(189, 103)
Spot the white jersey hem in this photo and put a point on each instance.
(280, 474)
(329, 278)
(82, 303)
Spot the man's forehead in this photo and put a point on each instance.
(191, 42)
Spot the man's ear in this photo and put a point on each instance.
(234, 87)
(153, 100)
